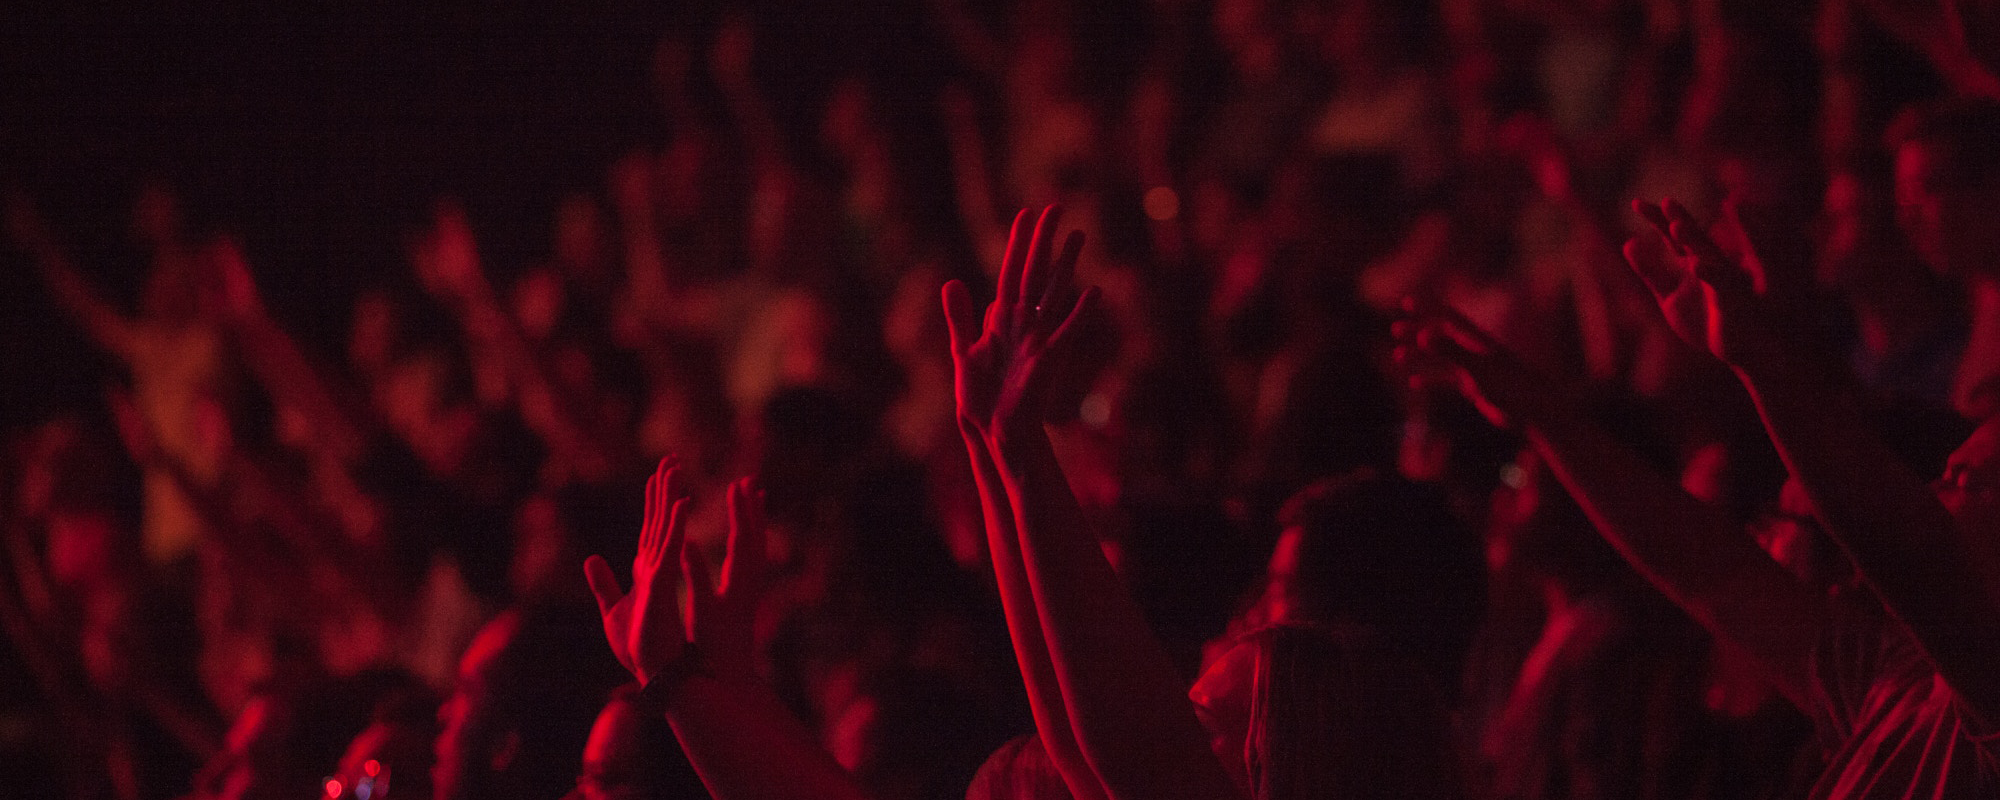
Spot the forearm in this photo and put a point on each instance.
(1127, 708)
(1902, 541)
(1038, 678)
(746, 746)
(1688, 550)
(282, 367)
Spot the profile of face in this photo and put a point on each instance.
(1970, 486)
(614, 759)
(473, 743)
(1949, 225)
(1222, 698)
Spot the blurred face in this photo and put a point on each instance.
(1952, 227)
(1222, 700)
(1970, 486)
(471, 742)
(612, 760)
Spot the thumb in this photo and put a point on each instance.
(603, 584)
(1647, 257)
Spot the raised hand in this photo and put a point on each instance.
(723, 616)
(447, 257)
(234, 287)
(1005, 364)
(644, 627)
(1709, 299)
(1435, 344)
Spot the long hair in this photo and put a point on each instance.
(1336, 712)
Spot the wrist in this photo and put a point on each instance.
(1012, 435)
(659, 685)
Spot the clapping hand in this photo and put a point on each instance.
(645, 627)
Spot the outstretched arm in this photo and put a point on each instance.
(975, 382)
(65, 282)
(1930, 571)
(1685, 548)
(447, 262)
(1127, 709)
(734, 729)
(280, 364)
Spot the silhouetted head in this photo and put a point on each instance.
(1298, 711)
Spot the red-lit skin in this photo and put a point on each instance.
(468, 742)
(1932, 560)
(241, 771)
(1100, 684)
(612, 755)
(739, 736)
(1950, 226)
(1222, 698)
(397, 760)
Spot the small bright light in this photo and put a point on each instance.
(371, 767)
(1162, 203)
(333, 787)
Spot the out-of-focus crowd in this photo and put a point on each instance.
(262, 565)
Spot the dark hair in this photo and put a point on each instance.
(1020, 770)
(1387, 554)
(1336, 713)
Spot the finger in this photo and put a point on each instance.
(676, 535)
(1062, 275)
(745, 558)
(1011, 266)
(1035, 273)
(1086, 305)
(1690, 235)
(958, 317)
(1461, 328)
(1647, 257)
(1654, 215)
(652, 522)
(603, 584)
(1650, 212)
(1711, 265)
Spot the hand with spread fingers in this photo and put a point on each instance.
(1709, 299)
(723, 615)
(1436, 344)
(644, 626)
(1004, 364)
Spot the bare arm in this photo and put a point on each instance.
(448, 263)
(66, 283)
(735, 731)
(1685, 548)
(1930, 573)
(1127, 709)
(278, 361)
(1017, 600)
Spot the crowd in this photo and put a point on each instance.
(1476, 399)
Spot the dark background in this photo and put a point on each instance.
(322, 138)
